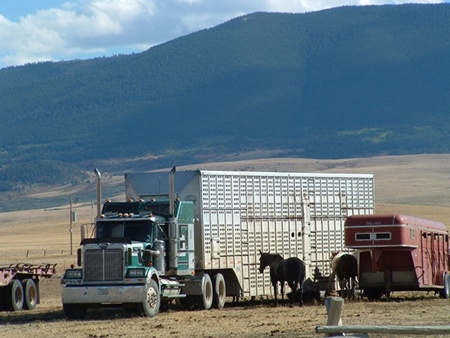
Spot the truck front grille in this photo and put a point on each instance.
(103, 265)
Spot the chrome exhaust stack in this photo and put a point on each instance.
(172, 191)
(173, 226)
(99, 191)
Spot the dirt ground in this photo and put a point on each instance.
(416, 185)
(245, 319)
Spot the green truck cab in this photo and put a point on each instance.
(141, 255)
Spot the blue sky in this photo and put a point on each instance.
(42, 30)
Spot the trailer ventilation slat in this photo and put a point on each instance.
(104, 265)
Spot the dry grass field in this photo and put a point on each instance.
(416, 185)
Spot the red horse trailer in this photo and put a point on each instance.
(399, 253)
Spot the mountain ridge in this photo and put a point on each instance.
(344, 82)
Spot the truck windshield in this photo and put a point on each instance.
(142, 231)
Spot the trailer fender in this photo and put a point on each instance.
(152, 273)
(193, 286)
(201, 288)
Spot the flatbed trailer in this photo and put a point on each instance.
(399, 253)
(19, 285)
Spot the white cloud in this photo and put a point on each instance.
(90, 28)
(315, 5)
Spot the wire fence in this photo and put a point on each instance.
(33, 254)
(40, 253)
(62, 258)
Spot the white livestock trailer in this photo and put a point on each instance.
(239, 213)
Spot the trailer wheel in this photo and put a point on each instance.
(205, 300)
(75, 311)
(14, 296)
(220, 291)
(445, 292)
(2, 299)
(150, 307)
(31, 294)
(373, 294)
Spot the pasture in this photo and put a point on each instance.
(415, 185)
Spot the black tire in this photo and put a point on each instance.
(373, 294)
(14, 296)
(445, 292)
(2, 299)
(205, 300)
(31, 294)
(75, 311)
(220, 291)
(150, 306)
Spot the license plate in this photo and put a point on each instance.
(102, 291)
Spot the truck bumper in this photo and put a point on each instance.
(104, 294)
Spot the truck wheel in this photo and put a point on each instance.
(150, 307)
(205, 300)
(14, 296)
(220, 291)
(31, 294)
(75, 311)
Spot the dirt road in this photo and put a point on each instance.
(258, 319)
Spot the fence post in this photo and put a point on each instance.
(334, 307)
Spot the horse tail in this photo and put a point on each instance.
(301, 278)
(301, 273)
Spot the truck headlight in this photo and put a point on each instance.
(73, 274)
(134, 273)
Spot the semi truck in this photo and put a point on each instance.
(194, 236)
(19, 285)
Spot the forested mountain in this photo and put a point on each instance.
(343, 82)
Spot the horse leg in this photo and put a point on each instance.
(352, 287)
(356, 284)
(294, 293)
(342, 287)
(282, 292)
(348, 288)
(293, 287)
(301, 294)
(275, 293)
(332, 284)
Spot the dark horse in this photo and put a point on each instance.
(345, 267)
(291, 270)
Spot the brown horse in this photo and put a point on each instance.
(345, 267)
(291, 270)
